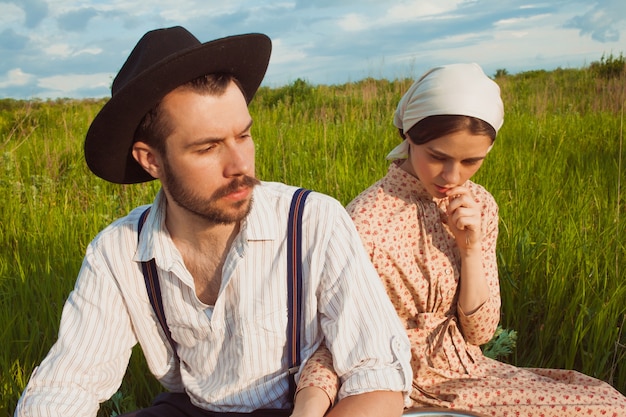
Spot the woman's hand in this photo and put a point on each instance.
(464, 218)
(464, 221)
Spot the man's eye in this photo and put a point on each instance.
(206, 149)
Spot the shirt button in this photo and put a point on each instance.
(448, 271)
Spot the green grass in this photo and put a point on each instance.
(557, 172)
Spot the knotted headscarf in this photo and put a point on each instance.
(456, 89)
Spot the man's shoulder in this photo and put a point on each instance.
(274, 203)
(121, 227)
(284, 193)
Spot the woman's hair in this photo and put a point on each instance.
(434, 127)
(154, 128)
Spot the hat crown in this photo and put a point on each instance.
(163, 60)
(154, 47)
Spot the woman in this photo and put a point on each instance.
(431, 234)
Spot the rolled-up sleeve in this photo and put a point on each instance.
(369, 346)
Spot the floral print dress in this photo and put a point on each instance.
(404, 231)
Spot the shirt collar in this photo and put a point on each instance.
(155, 241)
(155, 238)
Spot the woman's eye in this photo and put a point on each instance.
(471, 163)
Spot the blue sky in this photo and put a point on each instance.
(73, 48)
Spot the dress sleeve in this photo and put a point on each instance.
(480, 326)
(319, 372)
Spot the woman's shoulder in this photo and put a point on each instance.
(366, 199)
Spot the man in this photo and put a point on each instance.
(217, 235)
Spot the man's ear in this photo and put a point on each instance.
(146, 156)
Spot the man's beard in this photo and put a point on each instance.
(204, 207)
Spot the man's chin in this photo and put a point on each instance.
(236, 212)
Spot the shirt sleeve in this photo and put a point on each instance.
(318, 372)
(88, 361)
(480, 326)
(369, 347)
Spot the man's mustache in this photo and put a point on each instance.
(236, 184)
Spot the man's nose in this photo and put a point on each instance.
(238, 160)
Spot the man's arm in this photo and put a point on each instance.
(369, 345)
(87, 362)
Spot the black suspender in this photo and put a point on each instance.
(151, 279)
(294, 285)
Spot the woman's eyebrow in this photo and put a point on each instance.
(445, 155)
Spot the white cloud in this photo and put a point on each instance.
(403, 12)
(15, 78)
(31, 12)
(413, 10)
(58, 50)
(10, 14)
(282, 54)
(61, 50)
(564, 50)
(353, 23)
(528, 6)
(75, 82)
(179, 11)
(521, 21)
(604, 22)
(89, 51)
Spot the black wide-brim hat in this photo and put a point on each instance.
(162, 60)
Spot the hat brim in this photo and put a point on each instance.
(109, 140)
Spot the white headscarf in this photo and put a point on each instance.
(457, 89)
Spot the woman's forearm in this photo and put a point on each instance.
(474, 288)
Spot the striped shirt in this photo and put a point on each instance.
(232, 356)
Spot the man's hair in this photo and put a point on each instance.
(433, 127)
(155, 126)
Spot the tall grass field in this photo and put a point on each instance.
(557, 170)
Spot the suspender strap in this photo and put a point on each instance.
(151, 279)
(294, 284)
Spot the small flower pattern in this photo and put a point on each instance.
(404, 230)
(318, 372)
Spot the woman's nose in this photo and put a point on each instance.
(451, 173)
